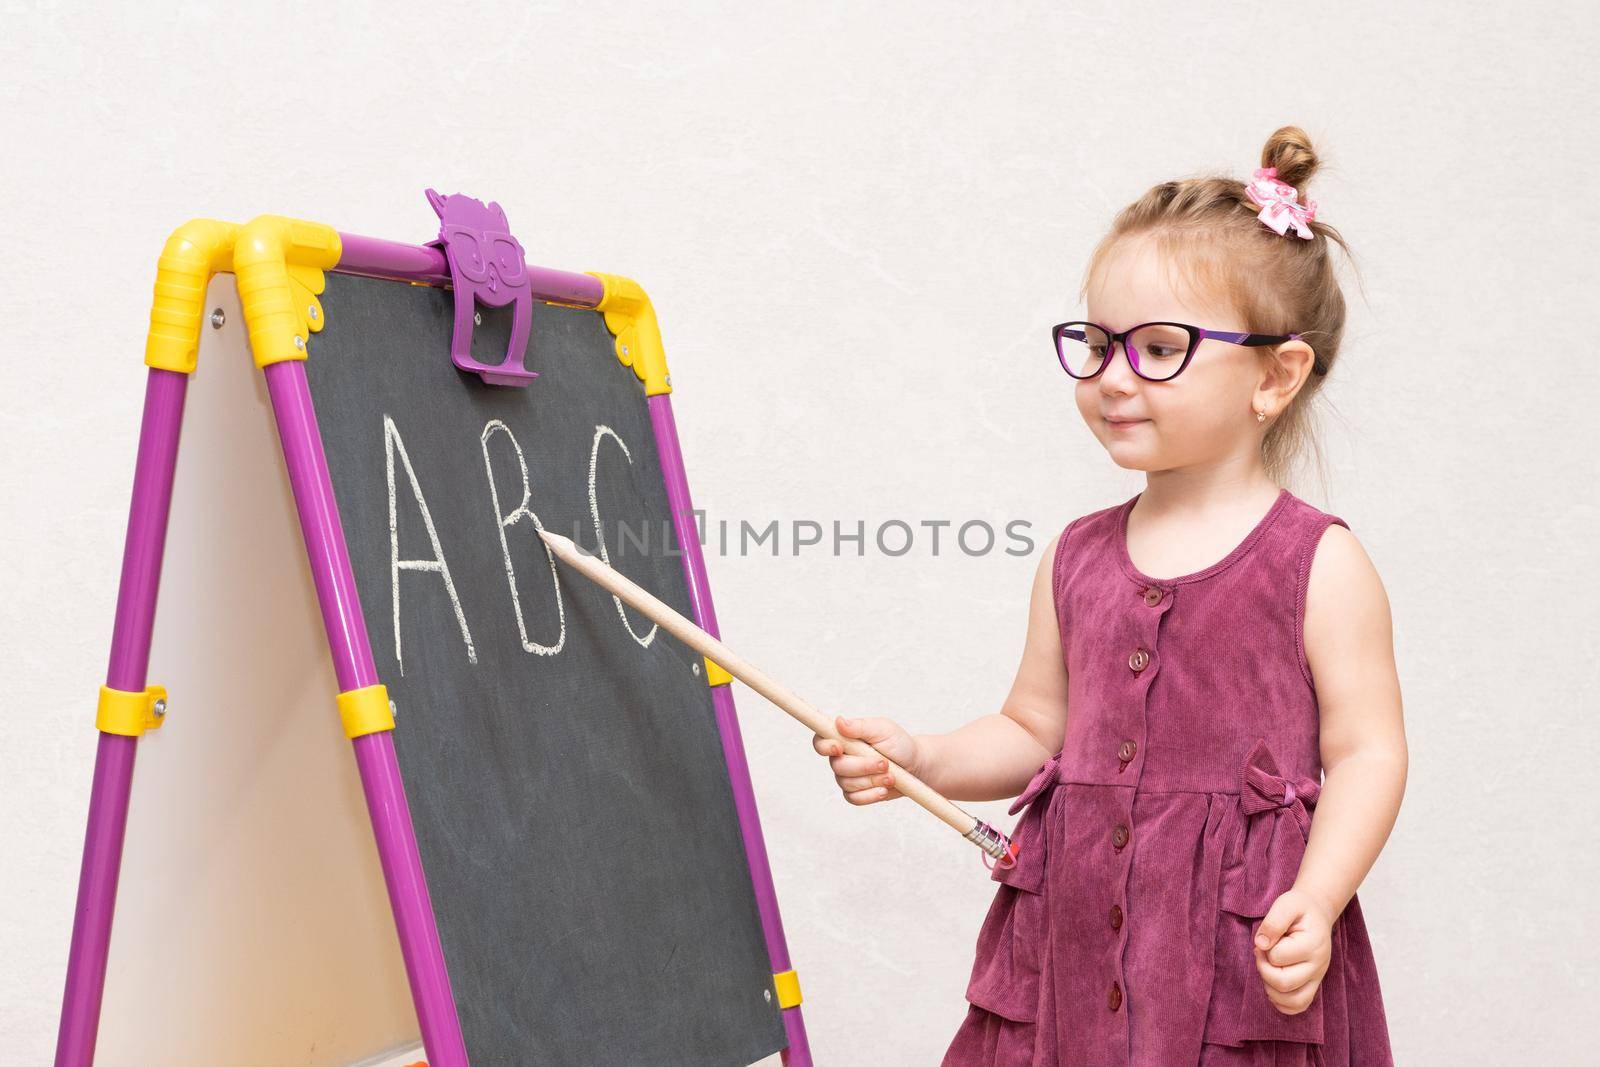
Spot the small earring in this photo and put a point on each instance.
(1261, 416)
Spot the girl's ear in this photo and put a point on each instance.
(1285, 370)
(1292, 363)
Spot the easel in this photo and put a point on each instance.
(279, 264)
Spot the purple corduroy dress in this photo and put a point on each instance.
(1175, 814)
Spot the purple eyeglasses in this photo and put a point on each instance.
(1157, 351)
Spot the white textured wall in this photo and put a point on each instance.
(857, 222)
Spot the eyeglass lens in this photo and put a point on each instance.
(1156, 351)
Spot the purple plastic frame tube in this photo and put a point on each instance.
(113, 764)
(375, 756)
(377, 258)
(798, 1053)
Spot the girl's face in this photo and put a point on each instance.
(1203, 416)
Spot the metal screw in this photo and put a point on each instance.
(667, 379)
(477, 318)
(300, 342)
(217, 319)
(625, 350)
(768, 994)
(696, 668)
(312, 313)
(160, 708)
(394, 712)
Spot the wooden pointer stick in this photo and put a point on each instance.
(592, 567)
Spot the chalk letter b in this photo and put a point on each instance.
(505, 521)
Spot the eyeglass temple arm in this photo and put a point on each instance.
(1255, 339)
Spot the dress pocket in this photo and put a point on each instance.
(1239, 1010)
(1260, 863)
(1011, 943)
(1005, 975)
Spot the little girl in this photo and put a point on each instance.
(1209, 661)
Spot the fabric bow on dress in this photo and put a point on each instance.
(1280, 206)
(1276, 823)
(1262, 788)
(1044, 776)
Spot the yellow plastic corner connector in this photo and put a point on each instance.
(632, 321)
(195, 251)
(279, 263)
(715, 675)
(787, 983)
(365, 711)
(130, 714)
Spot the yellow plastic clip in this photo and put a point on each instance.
(366, 711)
(787, 984)
(632, 321)
(195, 251)
(279, 263)
(130, 714)
(715, 675)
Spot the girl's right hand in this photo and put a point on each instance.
(867, 779)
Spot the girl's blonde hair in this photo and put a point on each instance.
(1207, 227)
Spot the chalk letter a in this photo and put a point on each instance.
(392, 443)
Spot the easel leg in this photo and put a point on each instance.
(375, 757)
(113, 768)
(798, 1052)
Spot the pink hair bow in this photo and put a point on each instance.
(1279, 206)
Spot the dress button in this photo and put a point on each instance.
(1119, 836)
(1138, 660)
(1126, 750)
(1152, 595)
(1114, 998)
(1116, 916)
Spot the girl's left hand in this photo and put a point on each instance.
(1292, 947)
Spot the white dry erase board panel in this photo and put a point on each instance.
(252, 926)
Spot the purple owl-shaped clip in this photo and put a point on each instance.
(486, 267)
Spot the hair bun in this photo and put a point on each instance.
(1289, 150)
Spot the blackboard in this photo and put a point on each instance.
(565, 774)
